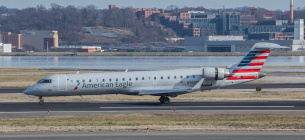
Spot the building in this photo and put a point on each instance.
(298, 42)
(38, 40)
(203, 44)
(5, 48)
(31, 40)
(111, 6)
(14, 39)
(147, 12)
(237, 44)
(72, 48)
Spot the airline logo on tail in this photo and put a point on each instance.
(250, 66)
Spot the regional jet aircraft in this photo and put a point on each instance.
(163, 83)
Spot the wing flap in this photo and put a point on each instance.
(160, 92)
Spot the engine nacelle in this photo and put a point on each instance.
(215, 73)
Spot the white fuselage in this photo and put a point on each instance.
(130, 83)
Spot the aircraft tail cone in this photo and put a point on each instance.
(261, 75)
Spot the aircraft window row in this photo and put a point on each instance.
(45, 81)
(123, 79)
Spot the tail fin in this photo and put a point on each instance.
(249, 67)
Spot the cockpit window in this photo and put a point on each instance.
(45, 81)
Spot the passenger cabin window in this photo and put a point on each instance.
(168, 77)
(45, 81)
(155, 78)
(103, 80)
(161, 77)
(129, 79)
(77, 81)
(84, 81)
(187, 76)
(96, 80)
(181, 77)
(89, 80)
(175, 77)
(143, 78)
(117, 79)
(137, 78)
(123, 79)
(193, 76)
(110, 80)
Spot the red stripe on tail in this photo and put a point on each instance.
(246, 70)
(260, 57)
(264, 51)
(241, 77)
(257, 64)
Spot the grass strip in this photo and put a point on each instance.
(217, 122)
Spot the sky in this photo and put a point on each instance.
(101, 4)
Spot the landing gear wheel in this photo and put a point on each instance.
(164, 100)
(41, 101)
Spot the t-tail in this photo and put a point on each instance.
(250, 66)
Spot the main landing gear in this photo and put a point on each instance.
(41, 101)
(164, 100)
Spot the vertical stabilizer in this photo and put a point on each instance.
(249, 67)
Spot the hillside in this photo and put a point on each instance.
(71, 21)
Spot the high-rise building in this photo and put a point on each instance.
(299, 29)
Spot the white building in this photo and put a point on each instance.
(5, 48)
(298, 42)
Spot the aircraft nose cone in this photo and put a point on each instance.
(26, 91)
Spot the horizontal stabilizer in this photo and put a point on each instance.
(264, 45)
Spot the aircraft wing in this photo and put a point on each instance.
(169, 92)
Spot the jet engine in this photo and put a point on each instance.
(215, 73)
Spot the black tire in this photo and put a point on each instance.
(166, 100)
(162, 100)
(41, 102)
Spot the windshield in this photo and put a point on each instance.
(45, 81)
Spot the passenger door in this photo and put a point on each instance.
(62, 83)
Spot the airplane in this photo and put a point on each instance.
(163, 83)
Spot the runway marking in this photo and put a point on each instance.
(163, 111)
(154, 133)
(201, 107)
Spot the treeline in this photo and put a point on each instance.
(70, 20)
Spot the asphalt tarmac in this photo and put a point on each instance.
(32, 109)
(158, 135)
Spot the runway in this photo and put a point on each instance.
(32, 109)
(158, 135)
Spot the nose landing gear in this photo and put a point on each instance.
(164, 100)
(41, 101)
